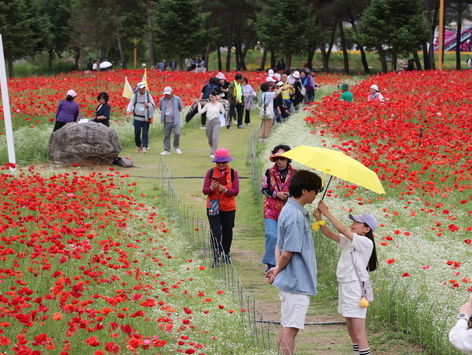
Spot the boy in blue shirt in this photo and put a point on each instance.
(295, 271)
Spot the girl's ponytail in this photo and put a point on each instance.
(373, 262)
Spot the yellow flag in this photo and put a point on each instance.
(127, 91)
(144, 79)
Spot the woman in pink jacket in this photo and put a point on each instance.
(275, 188)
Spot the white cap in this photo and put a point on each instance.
(277, 76)
(167, 90)
(71, 93)
(296, 74)
(270, 72)
(279, 83)
(375, 87)
(141, 85)
(270, 79)
(220, 76)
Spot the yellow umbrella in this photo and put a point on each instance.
(336, 163)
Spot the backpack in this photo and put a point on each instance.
(124, 162)
(232, 174)
(151, 107)
(266, 111)
(207, 89)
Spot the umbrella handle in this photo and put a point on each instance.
(326, 188)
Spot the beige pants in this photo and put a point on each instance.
(266, 127)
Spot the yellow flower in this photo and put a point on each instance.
(363, 303)
(317, 225)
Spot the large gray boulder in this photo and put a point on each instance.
(84, 142)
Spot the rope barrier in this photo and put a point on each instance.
(311, 323)
(175, 177)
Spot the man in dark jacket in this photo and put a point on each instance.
(235, 98)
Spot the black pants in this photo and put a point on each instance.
(236, 112)
(58, 125)
(247, 116)
(221, 227)
(310, 95)
(204, 119)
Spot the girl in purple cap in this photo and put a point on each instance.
(358, 258)
(221, 185)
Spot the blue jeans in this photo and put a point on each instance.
(270, 226)
(141, 129)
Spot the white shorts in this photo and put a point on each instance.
(293, 309)
(349, 295)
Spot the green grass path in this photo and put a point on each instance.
(248, 242)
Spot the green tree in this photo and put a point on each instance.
(281, 25)
(24, 31)
(60, 31)
(107, 28)
(180, 34)
(459, 10)
(394, 27)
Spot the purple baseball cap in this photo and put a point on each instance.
(365, 218)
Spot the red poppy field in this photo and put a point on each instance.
(85, 263)
(34, 100)
(85, 267)
(419, 143)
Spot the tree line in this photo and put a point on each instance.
(177, 29)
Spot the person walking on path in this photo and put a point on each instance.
(102, 113)
(460, 335)
(170, 106)
(346, 95)
(295, 271)
(141, 107)
(221, 185)
(209, 87)
(67, 111)
(213, 110)
(275, 185)
(309, 85)
(249, 98)
(374, 94)
(235, 98)
(358, 258)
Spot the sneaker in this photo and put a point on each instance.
(202, 127)
(138, 149)
(241, 127)
(178, 151)
(165, 152)
(212, 156)
(143, 150)
(228, 127)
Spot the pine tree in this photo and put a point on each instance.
(180, 27)
(395, 26)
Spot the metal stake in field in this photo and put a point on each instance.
(6, 110)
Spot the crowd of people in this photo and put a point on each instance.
(289, 253)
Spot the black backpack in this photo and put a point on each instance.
(232, 174)
(207, 89)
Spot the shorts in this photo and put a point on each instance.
(349, 295)
(293, 309)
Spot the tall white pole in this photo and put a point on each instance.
(6, 109)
